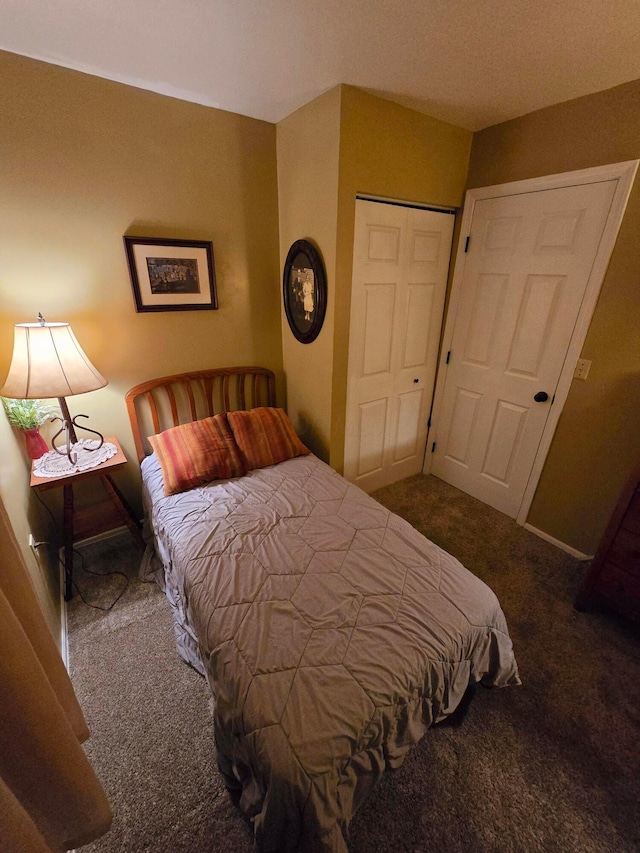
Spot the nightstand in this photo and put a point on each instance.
(80, 524)
(614, 576)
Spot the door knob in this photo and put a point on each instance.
(541, 397)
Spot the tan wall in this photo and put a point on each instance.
(343, 143)
(26, 516)
(84, 161)
(388, 151)
(597, 442)
(308, 149)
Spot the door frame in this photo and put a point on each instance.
(624, 173)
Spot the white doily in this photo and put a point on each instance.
(52, 464)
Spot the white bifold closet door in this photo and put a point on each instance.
(400, 266)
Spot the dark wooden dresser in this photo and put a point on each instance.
(614, 576)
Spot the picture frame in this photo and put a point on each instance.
(304, 291)
(171, 275)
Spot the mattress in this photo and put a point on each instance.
(331, 632)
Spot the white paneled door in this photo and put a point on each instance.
(401, 260)
(528, 263)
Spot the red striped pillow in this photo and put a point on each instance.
(265, 436)
(195, 453)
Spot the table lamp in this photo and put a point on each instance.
(49, 362)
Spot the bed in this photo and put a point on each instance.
(331, 632)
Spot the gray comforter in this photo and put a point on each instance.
(331, 632)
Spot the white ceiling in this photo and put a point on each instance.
(470, 62)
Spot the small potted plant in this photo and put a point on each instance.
(28, 416)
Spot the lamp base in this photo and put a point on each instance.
(69, 429)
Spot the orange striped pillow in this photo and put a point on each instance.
(265, 436)
(195, 453)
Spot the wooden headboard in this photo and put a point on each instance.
(162, 403)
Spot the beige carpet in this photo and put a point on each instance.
(553, 765)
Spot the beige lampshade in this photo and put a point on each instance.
(47, 362)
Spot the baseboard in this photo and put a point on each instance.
(100, 537)
(64, 625)
(562, 545)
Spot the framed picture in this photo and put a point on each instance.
(304, 291)
(171, 275)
